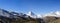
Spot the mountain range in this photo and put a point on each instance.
(30, 16)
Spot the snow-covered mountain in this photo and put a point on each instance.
(8, 14)
(30, 14)
(39, 15)
(56, 14)
(4, 13)
(33, 15)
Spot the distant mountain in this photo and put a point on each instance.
(32, 15)
(4, 13)
(15, 14)
(56, 14)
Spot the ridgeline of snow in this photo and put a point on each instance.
(56, 14)
(31, 14)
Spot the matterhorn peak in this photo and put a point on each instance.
(31, 13)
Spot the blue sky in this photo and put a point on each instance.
(36, 6)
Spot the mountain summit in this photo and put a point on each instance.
(31, 13)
